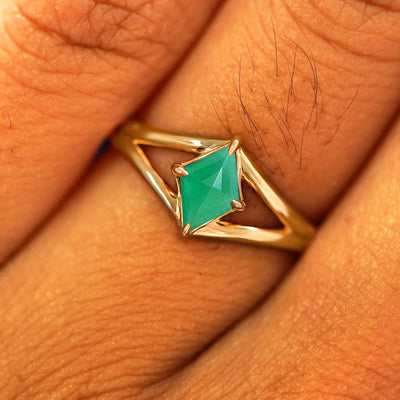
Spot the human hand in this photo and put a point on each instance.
(104, 301)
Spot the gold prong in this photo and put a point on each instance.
(238, 205)
(297, 231)
(234, 145)
(179, 170)
(186, 230)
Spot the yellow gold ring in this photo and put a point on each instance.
(210, 187)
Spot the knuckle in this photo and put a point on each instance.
(51, 46)
(126, 28)
(368, 22)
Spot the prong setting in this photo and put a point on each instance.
(234, 145)
(186, 230)
(297, 231)
(238, 205)
(179, 170)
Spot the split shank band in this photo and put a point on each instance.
(209, 187)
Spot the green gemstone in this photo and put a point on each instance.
(207, 192)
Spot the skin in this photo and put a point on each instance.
(101, 299)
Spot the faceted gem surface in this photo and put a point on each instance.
(208, 190)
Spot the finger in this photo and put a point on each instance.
(332, 329)
(175, 297)
(130, 292)
(312, 86)
(69, 72)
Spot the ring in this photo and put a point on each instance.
(209, 187)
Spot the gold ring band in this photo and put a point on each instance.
(209, 187)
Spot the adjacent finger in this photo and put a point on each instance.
(125, 298)
(332, 329)
(70, 72)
